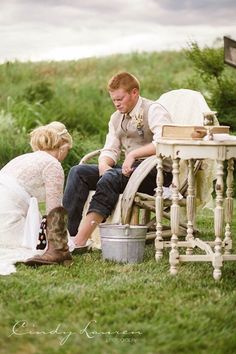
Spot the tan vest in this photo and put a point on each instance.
(131, 139)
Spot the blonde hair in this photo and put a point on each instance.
(123, 80)
(49, 137)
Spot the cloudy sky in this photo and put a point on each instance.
(72, 29)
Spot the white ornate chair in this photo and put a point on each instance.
(187, 107)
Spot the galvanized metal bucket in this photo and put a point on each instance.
(123, 243)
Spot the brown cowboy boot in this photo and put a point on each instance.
(57, 251)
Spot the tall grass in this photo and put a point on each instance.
(75, 93)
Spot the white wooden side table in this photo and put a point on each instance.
(216, 251)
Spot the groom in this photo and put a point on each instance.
(133, 127)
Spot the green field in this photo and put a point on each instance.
(75, 93)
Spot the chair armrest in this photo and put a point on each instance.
(132, 186)
(89, 156)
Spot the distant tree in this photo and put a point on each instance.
(218, 78)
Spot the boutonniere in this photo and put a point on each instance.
(138, 119)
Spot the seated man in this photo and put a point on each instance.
(134, 127)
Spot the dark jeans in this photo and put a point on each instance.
(83, 178)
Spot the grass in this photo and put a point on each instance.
(87, 307)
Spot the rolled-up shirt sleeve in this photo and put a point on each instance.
(158, 116)
(112, 145)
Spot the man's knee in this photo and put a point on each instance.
(80, 171)
(76, 171)
(111, 176)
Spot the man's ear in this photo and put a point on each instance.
(135, 91)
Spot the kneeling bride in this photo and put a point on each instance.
(24, 181)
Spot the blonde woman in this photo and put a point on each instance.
(24, 181)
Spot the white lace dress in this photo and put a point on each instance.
(25, 181)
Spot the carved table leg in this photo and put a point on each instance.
(175, 218)
(218, 221)
(229, 206)
(159, 210)
(190, 205)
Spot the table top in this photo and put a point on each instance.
(196, 149)
(196, 142)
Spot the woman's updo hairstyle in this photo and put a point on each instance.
(49, 137)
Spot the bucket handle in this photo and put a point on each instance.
(127, 229)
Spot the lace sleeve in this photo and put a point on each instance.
(53, 176)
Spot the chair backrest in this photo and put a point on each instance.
(186, 107)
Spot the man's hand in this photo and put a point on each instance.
(127, 168)
(144, 151)
(102, 169)
(104, 164)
